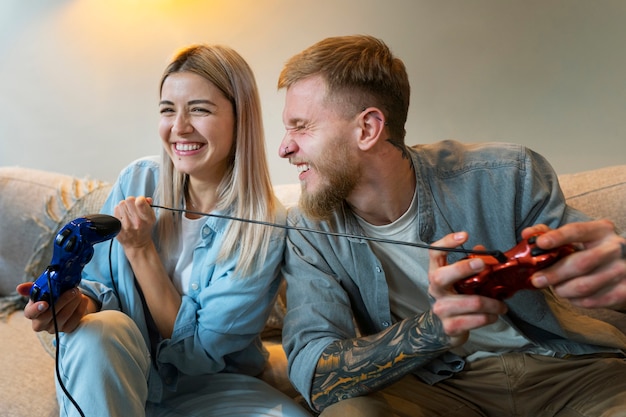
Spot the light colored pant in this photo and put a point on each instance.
(511, 385)
(105, 365)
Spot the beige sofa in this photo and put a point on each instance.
(35, 204)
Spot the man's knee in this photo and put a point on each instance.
(366, 406)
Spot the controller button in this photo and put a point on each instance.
(34, 295)
(70, 245)
(532, 240)
(536, 251)
(62, 236)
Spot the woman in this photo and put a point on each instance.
(194, 291)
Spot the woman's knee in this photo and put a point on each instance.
(102, 334)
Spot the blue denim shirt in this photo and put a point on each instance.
(218, 325)
(492, 191)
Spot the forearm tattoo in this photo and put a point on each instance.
(354, 367)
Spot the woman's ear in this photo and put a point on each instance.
(371, 124)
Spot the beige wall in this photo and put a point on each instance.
(78, 89)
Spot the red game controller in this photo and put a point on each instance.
(502, 279)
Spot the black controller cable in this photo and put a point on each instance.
(495, 253)
(115, 289)
(56, 355)
(56, 332)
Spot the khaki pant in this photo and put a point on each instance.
(514, 384)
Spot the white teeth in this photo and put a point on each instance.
(303, 168)
(187, 146)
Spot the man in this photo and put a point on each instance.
(376, 328)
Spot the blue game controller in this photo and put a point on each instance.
(73, 249)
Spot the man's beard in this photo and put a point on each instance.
(340, 175)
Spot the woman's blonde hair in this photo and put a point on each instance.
(245, 191)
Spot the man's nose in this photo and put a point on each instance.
(287, 147)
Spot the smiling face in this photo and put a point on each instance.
(197, 126)
(320, 144)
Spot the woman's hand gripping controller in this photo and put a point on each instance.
(73, 249)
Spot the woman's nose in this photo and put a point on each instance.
(182, 125)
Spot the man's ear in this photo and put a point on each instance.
(371, 124)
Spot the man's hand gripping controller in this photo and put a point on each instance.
(502, 278)
(73, 249)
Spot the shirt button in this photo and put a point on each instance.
(194, 286)
(206, 231)
(378, 269)
(385, 324)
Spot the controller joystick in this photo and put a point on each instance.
(502, 278)
(73, 249)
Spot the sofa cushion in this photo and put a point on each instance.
(34, 205)
(599, 193)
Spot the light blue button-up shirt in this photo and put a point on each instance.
(221, 316)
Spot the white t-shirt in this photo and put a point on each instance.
(406, 271)
(179, 262)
